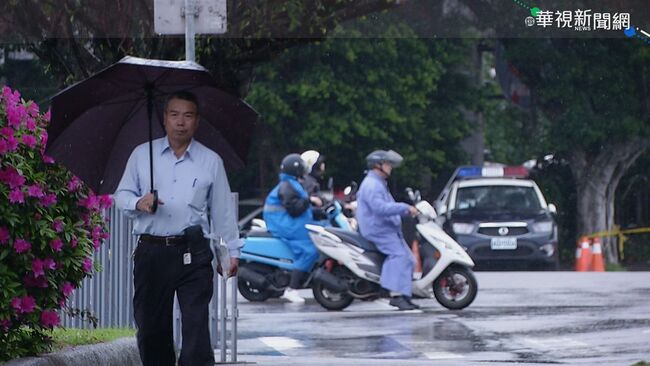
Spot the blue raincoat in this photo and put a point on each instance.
(379, 218)
(286, 211)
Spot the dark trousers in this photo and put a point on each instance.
(158, 273)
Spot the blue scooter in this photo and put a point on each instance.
(266, 262)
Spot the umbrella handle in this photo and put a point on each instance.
(154, 206)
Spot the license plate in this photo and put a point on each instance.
(503, 243)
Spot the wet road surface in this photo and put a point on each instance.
(517, 318)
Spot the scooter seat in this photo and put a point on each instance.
(259, 233)
(353, 238)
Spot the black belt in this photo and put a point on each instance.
(164, 240)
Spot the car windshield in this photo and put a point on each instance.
(491, 198)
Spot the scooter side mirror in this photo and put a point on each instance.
(347, 190)
(353, 188)
(410, 194)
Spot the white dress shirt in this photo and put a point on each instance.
(190, 187)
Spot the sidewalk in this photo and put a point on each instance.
(334, 361)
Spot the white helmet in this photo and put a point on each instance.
(310, 157)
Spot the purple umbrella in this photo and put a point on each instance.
(97, 122)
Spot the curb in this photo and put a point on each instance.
(121, 352)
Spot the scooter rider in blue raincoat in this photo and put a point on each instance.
(286, 211)
(379, 221)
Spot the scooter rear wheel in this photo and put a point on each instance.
(251, 293)
(330, 299)
(455, 288)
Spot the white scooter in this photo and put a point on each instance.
(350, 266)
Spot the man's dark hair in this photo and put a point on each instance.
(183, 95)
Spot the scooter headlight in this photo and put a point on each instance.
(462, 228)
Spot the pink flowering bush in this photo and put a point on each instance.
(50, 225)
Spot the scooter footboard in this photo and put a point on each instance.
(268, 250)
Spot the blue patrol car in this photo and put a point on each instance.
(500, 217)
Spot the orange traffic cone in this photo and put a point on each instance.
(415, 248)
(597, 263)
(583, 255)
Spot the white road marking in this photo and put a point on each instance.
(644, 32)
(557, 343)
(376, 306)
(442, 355)
(281, 343)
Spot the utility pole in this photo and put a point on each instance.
(190, 12)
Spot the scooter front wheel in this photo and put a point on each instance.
(455, 288)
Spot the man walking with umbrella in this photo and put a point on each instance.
(193, 201)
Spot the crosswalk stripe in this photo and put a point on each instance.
(559, 343)
(442, 355)
(281, 343)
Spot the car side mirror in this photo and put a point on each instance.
(552, 209)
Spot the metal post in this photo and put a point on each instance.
(235, 314)
(233, 300)
(190, 14)
(223, 317)
(214, 305)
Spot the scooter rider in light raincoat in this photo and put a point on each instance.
(286, 211)
(379, 221)
(315, 168)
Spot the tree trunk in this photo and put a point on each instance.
(597, 178)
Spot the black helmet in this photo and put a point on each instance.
(293, 164)
(378, 157)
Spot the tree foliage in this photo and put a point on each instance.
(595, 96)
(347, 97)
(596, 90)
(78, 38)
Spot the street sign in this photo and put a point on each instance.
(209, 16)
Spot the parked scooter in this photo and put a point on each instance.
(266, 261)
(350, 266)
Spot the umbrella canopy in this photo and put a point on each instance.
(96, 123)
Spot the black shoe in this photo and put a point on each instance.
(401, 303)
(411, 302)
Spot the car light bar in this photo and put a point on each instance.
(492, 171)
